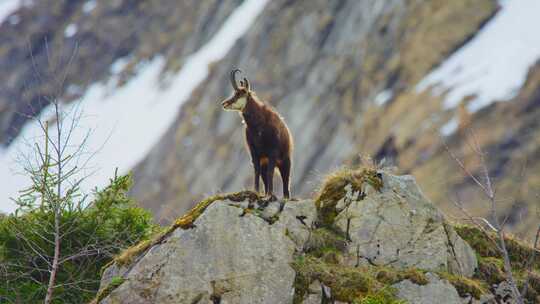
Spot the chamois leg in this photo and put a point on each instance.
(285, 171)
(270, 179)
(263, 173)
(257, 169)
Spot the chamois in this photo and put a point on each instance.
(268, 138)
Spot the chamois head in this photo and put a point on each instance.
(239, 99)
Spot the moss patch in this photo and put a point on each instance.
(351, 284)
(464, 286)
(184, 222)
(490, 270)
(103, 293)
(333, 190)
(391, 276)
(490, 264)
(347, 284)
(484, 246)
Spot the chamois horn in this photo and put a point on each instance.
(233, 79)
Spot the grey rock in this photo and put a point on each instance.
(462, 258)
(503, 291)
(239, 259)
(297, 218)
(436, 291)
(400, 227)
(109, 273)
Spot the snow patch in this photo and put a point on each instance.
(450, 127)
(494, 64)
(383, 97)
(7, 7)
(129, 121)
(70, 30)
(89, 6)
(119, 65)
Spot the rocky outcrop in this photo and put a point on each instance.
(234, 258)
(242, 249)
(399, 227)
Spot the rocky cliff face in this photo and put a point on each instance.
(367, 235)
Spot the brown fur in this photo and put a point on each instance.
(268, 139)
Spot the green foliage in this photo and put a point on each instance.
(91, 237)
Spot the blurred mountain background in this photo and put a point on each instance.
(393, 79)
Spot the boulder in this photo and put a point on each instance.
(399, 227)
(436, 291)
(230, 255)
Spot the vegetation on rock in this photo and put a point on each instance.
(334, 189)
(525, 261)
(184, 222)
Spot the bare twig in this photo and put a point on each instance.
(494, 224)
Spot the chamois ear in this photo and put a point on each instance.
(246, 84)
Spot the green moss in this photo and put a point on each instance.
(325, 239)
(490, 270)
(484, 245)
(533, 286)
(184, 222)
(384, 296)
(464, 286)
(391, 276)
(347, 283)
(351, 284)
(333, 190)
(103, 293)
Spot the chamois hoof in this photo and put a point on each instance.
(270, 198)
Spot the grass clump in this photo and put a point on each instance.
(103, 293)
(490, 270)
(464, 286)
(347, 283)
(490, 262)
(391, 276)
(384, 296)
(184, 222)
(333, 190)
(362, 285)
(323, 240)
(484, 245)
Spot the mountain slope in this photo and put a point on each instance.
(35, 51)
(319, 63)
